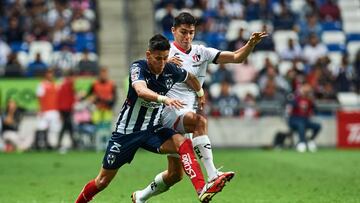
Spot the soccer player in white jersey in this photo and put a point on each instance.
(194, 59)
(138, 123)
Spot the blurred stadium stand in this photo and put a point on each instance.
(127, 25)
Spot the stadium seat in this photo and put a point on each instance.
(23, 58)
(351, 26)
(353, 37)
(336, 47)
(234, 27)
(352, 48)
(215, 90)
(297, 5)
(240, 90)
(85, 41)
(281, 38)
(348, 99)
(284, 67)
(348, 4)
(327, 26)
(333, 37)
(43, 47)
(335, 60)
(78, 56)
(258, 58)
(19, 46)
(256, 26)
(350, 15)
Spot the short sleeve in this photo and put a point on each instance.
(136, 73)
(210, 54)
(180, 74)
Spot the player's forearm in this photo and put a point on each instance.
(148, 94)
(242, 53)
(193, 82)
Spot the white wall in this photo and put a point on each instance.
(234, 132)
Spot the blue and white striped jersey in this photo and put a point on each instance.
(137, 114)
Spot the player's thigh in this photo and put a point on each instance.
(121, 149)
(174, 118)
(190, 120)
(172, 145)
(163, 140)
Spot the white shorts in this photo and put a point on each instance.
(173, 118)
(49, 120)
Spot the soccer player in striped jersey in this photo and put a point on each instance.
(194, 59)
(138, 124)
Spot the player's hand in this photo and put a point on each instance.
(256, 37)
(175, 60)
(201, 102)
(174, 102)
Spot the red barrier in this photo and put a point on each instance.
(348, 129)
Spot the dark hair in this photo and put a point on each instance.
(159, 42)
(184, 18)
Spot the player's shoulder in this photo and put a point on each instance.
(198, 47)
(170, 67)
(139, 63)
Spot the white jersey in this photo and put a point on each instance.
(196, 62)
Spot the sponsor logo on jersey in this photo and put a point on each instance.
(354, 133)
(187, 165)
(135, 71)
(196, 57)
(115, 147)
(168, 75)
(152, 105)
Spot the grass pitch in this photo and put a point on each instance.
(261, 177)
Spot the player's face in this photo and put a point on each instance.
(157, 60)
(184, 35)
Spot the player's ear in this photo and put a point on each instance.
(173, 30)
(147, 53)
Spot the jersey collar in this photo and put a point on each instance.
(181, 49)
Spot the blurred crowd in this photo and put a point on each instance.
(36, 35)
(313, 42)
(85, 116)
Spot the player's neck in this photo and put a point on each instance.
(152, 70)
(182, 49)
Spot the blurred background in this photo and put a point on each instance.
(54, 54)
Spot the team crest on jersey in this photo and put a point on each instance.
(169, 83)
(196, 57)
(111, 158)
(135, 71)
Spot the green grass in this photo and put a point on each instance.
(262, 177)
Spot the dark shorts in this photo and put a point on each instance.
(122, 148)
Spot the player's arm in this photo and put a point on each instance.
(145, 93)
(241, 54)
(193, 83)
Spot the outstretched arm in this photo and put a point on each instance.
(147, 94)
(241, 54)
